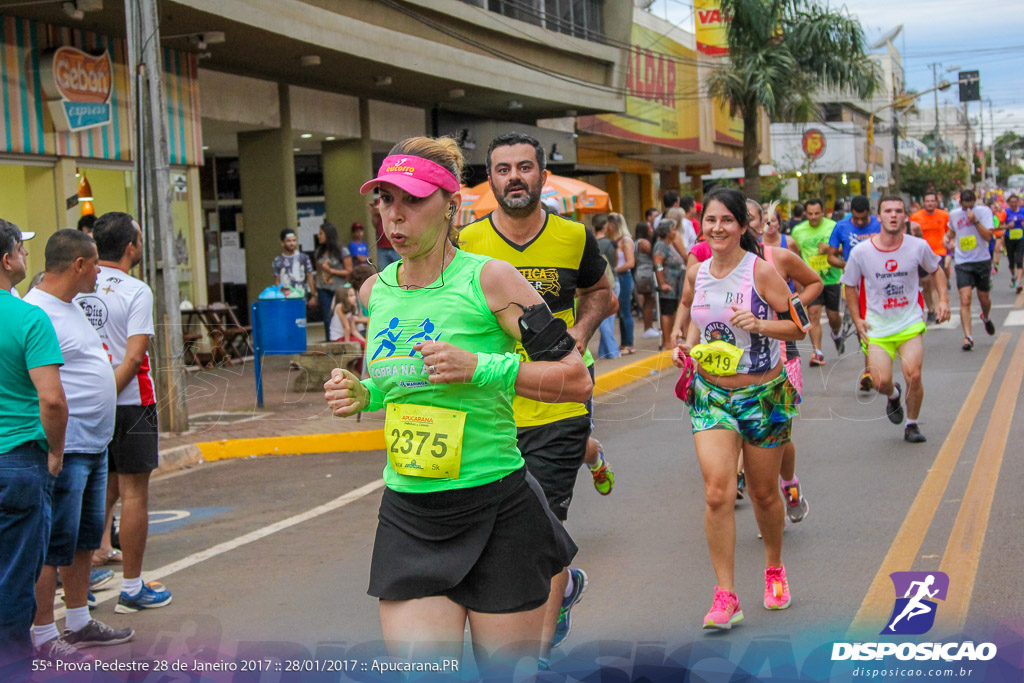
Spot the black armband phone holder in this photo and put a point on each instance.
(545, 337)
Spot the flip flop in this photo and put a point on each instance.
(99, 558)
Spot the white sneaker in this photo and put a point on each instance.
(651, 334)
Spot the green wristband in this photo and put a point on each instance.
(496, 369)
(376, 396)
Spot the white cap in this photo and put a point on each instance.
(26, 236)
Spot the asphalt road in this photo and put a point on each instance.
(247, 576)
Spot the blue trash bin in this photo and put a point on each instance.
(279, 325)
(278, 328)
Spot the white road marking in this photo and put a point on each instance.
(1015, 318)
(221, 548)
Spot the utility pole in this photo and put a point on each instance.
(153, 180)
(981, 130)
(935, 86)
(992, 151)
(967, 145)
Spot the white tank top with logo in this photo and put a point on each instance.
(713, 301)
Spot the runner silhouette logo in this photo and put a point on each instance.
(914, 611)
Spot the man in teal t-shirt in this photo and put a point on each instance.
(812, 238)
(33, 417)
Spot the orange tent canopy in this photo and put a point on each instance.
(569, 194)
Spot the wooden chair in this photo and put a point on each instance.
(230, 340)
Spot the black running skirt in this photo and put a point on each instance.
(490, 548)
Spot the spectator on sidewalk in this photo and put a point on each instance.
(33, 418)
(292, 269)
(80, 490)
(607, 347)
(357, 245)
(121, 310)
(333, 265)
(86, 223)
(625, 260)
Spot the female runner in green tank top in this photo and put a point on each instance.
(463, 531)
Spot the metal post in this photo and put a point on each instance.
(967, 146)
(981, 130)
(992, 150)
(152, 172)
(935, 91)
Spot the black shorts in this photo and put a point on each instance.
(135, 448)
(554, 453)
(829, 297)
(668, 306)
(490, 548)
(977, 274)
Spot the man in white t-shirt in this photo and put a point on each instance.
(884, 297)
(970, 229)
(79, 492)
(121, 310)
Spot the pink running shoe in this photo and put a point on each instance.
(776, 588)
(725, 611)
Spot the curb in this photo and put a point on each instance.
(174, 459)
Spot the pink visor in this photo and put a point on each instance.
(418, 176)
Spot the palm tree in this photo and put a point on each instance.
(781, 54)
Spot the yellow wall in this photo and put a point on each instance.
(109, 189)
(42, 217)
(13, 206)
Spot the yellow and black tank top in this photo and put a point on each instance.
(564, 256)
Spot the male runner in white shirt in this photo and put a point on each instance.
(884, 298)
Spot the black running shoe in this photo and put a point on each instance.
(913, 434)
(990, 327)
(894, 407)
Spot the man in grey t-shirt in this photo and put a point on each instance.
(293, 271)
(970, 229)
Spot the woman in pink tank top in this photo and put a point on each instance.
(741, 395)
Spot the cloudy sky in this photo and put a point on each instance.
(987, 36)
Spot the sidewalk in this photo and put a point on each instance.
(225, 422)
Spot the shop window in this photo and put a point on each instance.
(229, 180)
(579, 18)
(309, 176)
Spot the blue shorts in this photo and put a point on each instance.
(79, 507)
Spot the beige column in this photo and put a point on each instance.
(266, 165)
(347, 165)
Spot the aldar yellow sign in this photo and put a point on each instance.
(713, 42)
(661, 104)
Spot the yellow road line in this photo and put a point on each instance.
(1020, 301)
(373, 440)
(963, 549)
(905, 546)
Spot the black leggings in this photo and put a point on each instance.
(1015, 250)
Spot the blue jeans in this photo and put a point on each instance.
(385, 257)
(325, 297)
(608, 347)
(26, 488)
(625, 281)
(79, 507)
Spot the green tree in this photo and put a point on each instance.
(781, 54)
(940, 176)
